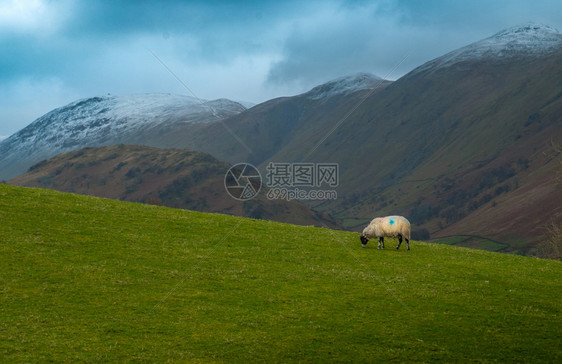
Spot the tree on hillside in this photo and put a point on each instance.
(551, 247)
(558, 149)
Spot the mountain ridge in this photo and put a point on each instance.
(345, 85)
(104, 120)
(527, 39)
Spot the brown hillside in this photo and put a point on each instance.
(170, 177)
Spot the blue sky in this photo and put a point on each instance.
(54, 52)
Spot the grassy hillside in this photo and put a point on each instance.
(90, 279)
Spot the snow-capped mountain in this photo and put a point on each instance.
(526, 39)
(345, 85)
(105, 120)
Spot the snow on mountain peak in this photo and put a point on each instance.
(526, 39)
(538, 33)
(345, 85)
(106, 120)
(529, 38)
(115, 115)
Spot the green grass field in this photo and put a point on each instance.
(96, 280)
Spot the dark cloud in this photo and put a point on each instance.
(218, 31)
(245, 50)
(349, 39)
(27, 56)
(376, 36)
(220, 28)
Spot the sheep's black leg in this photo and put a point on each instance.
(408, 243)
(381, 242)
(399, 241)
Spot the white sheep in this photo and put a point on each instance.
(389, 226)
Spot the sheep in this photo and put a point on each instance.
(389, 226)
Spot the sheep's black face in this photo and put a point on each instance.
(364, 240)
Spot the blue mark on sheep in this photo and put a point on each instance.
(391, 222)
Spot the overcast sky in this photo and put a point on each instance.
(54, 52)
